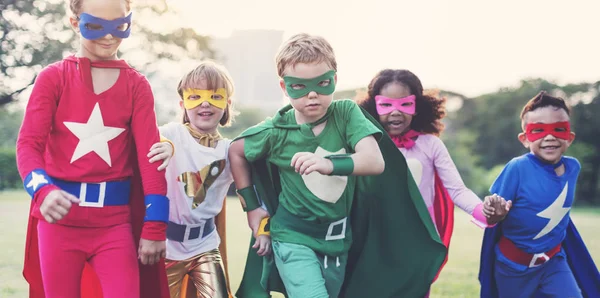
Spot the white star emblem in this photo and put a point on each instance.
(36, 180)
(555, 212)
(93, 136)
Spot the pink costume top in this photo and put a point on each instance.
(428, 155)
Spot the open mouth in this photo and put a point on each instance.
(395, 124)
(549, 147)
(205, 114)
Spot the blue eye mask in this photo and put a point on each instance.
(93, 28)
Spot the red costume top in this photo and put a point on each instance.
(73, 134)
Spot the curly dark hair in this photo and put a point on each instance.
(430, 108)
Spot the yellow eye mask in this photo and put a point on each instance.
(195, 97)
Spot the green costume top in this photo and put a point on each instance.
(316, 200)
(395, 250)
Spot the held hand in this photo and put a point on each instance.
(263, 245)
(496, 208)
(254, 218)
(150, 252)
(162, 151)
(305, 163)
(57, 204)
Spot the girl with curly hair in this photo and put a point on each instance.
(413, 120)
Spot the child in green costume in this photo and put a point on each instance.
(314, 153)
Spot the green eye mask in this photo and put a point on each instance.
(297, 87)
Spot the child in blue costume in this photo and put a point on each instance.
(536, 250)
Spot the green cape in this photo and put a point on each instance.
(396, 251)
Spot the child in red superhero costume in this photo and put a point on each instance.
(88, 126)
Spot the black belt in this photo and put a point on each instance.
(177, 232)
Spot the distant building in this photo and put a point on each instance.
(249, 55)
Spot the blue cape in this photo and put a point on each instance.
(579, 260)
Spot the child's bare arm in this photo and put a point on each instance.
(240, 169)
(367, 159)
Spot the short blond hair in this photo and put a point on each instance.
(304, 48)
(75, 6)
(216, 77)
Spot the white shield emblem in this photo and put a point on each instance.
(326, 188)
(416, 168)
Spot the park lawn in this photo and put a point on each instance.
(459, 278)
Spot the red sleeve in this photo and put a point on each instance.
(38, 120)
(145, 134)
(154, 230)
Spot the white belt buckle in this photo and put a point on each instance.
(101, 196)
(342, 235)
(537, 257)
(188, 229)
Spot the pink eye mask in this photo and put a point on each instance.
(386, 105)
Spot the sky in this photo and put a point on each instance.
(467, 46)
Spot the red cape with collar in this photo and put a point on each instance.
(153, 279)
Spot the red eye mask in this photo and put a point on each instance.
(536, 131)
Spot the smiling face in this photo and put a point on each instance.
(106, 47)
(395, 123)
(204, 117)
(548, 148)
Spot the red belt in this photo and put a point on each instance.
(515, 254)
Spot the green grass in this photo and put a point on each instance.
(459, 278)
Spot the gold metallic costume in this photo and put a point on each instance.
(204, 275)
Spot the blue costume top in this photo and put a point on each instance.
(541, 201)
(538, 220)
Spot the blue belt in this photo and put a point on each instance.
(181, 233)
(112, 193)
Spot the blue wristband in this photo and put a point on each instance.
(157, 208)
(37, 179)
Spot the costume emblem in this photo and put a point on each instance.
(416, 169)
(196, 184)
(555, 212)
(326, 188)
(93, 136)
(36, 181)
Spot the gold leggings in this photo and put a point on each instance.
(205, 272)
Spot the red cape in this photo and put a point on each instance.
(153, 279)
(443, 212)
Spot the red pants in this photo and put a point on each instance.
(110, 251)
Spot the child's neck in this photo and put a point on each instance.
(211, 131)
(204, 138)
(86, 54)
(302, 119)
(559, 166)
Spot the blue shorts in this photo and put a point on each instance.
(551, 279)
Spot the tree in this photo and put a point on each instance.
(586, 146)
(36, 33)
(32, 34)
(492, 123)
